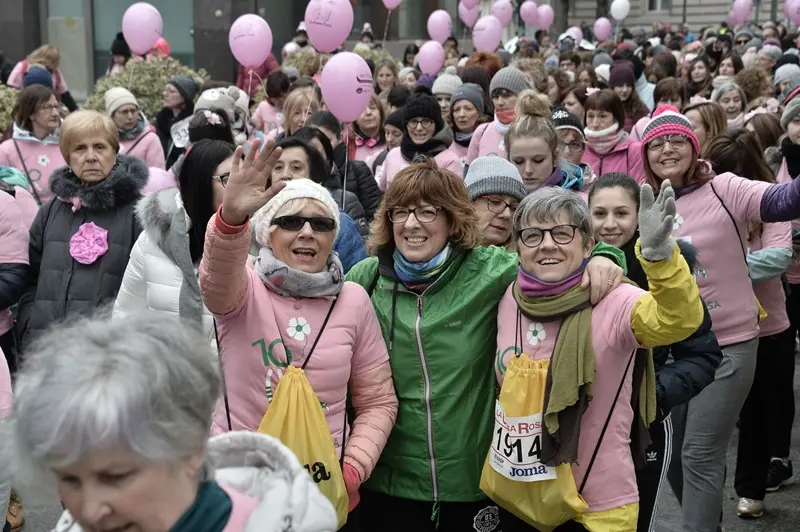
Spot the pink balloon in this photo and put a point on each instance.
(529, 13)
(468, 16)
(740, 9)
(471, 4)
(602, 29)
(142, 26)
(328, 23)
(440, 25)
(576, 33)
(504, 11)
(794, 11)
(250, 40)
(546, 16)
(431, 57)
(733, 19)
(787, 7)
(346, 84)
(391, 4)
(487, 34)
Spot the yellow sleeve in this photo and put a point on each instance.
(672, 310)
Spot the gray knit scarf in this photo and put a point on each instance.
(286, 281)
(175, 245)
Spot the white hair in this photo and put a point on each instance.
(145, 383)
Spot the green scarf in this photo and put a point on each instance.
(209, 512)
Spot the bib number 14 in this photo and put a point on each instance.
(517, 447)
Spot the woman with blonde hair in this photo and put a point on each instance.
(297, 107)
(369, 139)
(48, 57)
(708, 121)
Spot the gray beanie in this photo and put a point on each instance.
(405, 71)
(186, 85)
(790, 112)
(743, 33)
(755, 42)
(601, 58)
(471, 92)
(510, 79)
(773, 51)
(784, 72)
(446, 84)
(790, 91)
(494, 175)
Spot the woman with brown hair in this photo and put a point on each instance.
(585, 77)
(669, 91)
(754, 82)
(369, 139)
(46, 56)
(699, 78)
(708, 121)
(623, 83)
(557, 82)
(434, 288)
(766, 127)
(490, 62)
(574, 100)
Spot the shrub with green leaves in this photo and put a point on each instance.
(146, 80)
(8, 99)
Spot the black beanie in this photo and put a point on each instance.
(395, 118)
(563, 119)
(120, 46)
(423, 105)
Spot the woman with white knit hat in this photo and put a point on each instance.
(135, 136)
(443, 89)
(274, 314)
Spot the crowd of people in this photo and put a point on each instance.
(547, 239)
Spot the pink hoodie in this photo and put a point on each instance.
(14, 237)
(16, 77)
(259, 330)
(486, 141)
(625, 157)
(460, 151)
(770, 292)
(147, 147)
(41, 158)
(395, 162)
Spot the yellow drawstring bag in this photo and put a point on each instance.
(513, 476)
(296, 418)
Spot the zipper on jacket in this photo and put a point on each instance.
(428, 408)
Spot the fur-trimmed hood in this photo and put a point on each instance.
(155, 212)
(774, 157)
(122, 187)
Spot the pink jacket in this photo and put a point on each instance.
(395, 162)
(40, 158)
(625, 157)
(159, 179)
(793, 273)
(14, 226)
(16, 77)
(460, 151)
(637, 133)
(486, 141)
(147, 147)
(261, 332)
(770, 292)
(267, 117)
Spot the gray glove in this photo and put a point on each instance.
(655, 222)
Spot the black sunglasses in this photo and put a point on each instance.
(319, 224)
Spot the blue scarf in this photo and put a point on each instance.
(416, 273)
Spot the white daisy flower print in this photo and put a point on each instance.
(536, 333)
(676, 225)
(43, 160)
(298, 329)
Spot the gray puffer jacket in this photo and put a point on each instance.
(59, 285)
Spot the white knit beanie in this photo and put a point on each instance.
(446, 84)
(784, 72)
(295, 189)
(116, 97)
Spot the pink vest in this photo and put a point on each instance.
(486, 141)
(17, 75)
(625, 157)
(268, 331)
(793, 273)
(147, 147)
(612, 479)
(395, 162)
(721, 274)
(770, 293)
(40, 159)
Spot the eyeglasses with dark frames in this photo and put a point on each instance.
(497, 206)
(424, 215)
(676, 141)
(533, 237)
(575, 146)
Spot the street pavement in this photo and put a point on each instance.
(782, 511)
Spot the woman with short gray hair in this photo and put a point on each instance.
(115, 416)
(564, 330)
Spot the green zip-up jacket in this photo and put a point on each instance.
(442, 344)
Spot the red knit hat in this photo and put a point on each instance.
(667, 120)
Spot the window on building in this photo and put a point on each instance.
(659, 5)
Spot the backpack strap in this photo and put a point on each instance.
(27, 174)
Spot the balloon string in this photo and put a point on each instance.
(347, 139)
(250, 82)
(386, 29)
(130, 75)
(261, 81)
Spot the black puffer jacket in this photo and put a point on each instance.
(695, 359)
(360, 182)
(348, 202)
(58, 285)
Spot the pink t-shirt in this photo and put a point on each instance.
(395, 162)
(267, 117)
(770, 293)
(793, 273)
(612, 480)
(486, 141)
(13, 245)
(257, 337)
(721, 273)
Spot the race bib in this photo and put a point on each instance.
(517, 447)
(180, 133)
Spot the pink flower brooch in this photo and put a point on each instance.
(89, 243)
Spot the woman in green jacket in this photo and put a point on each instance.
(436, 294)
